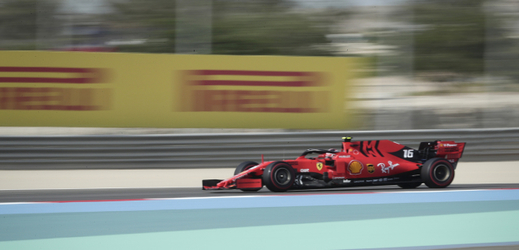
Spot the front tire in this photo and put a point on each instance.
(245, 166)
(437, 173)
(279, 176)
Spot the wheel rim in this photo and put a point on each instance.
(441, 172)
(282, 176)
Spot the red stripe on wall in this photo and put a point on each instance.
(251, 73)
(85, 75)
(45, 70)
(254, 83)
(45, 80)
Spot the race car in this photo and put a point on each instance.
(359, 163)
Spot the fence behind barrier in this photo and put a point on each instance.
(224, 150)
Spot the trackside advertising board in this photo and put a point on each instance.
(86, 89)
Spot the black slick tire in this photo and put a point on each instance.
(242, 167)
(279, 176)
(437, 173)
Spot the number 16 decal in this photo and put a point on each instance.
(408, 153)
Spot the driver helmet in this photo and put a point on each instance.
(330, 155)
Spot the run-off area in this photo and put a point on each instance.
(413, 220)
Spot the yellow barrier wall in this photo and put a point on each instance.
(83, 89)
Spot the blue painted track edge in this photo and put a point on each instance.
(225, 202)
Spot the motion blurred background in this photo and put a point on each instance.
(86, 86)
(428, 64)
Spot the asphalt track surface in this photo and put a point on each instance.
(157, 193)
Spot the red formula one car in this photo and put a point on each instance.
(358, 163)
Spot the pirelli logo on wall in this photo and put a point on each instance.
(54, 88)
(253, 91)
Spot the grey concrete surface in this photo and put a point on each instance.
(466, 173)
(87, 179)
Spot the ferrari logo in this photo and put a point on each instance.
(371, 168)
(319, 166)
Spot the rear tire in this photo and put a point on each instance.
(279, 176)
(409, 185)
(437, 173)
(245, 166)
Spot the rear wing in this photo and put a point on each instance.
(450, 150)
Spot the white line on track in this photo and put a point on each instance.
(256, 196)
(93, 188)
